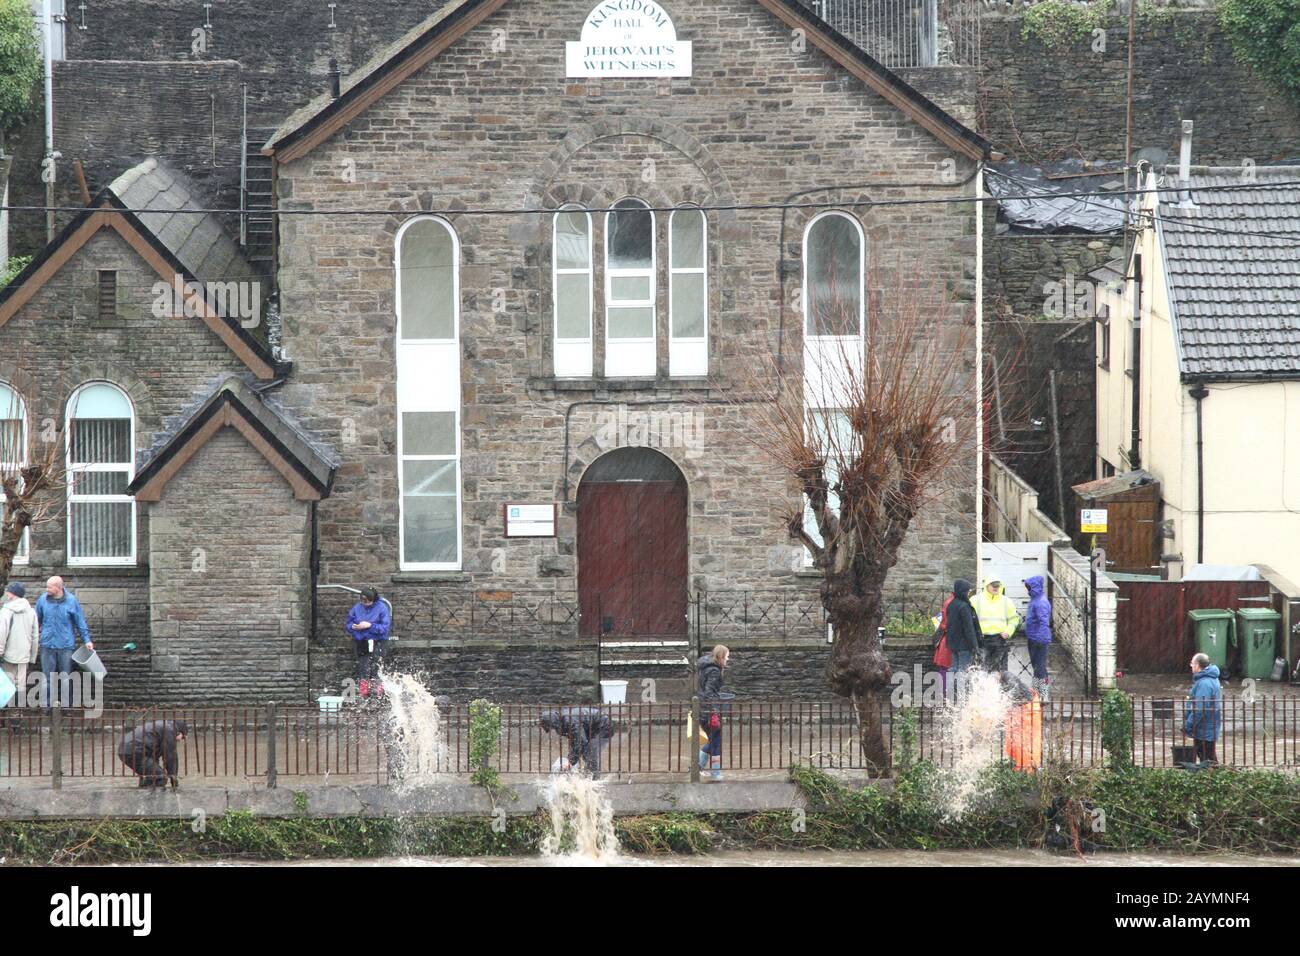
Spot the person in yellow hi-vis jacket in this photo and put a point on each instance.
(998, 622)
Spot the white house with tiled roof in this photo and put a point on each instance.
(1198, 365)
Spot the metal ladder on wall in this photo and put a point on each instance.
(257, 199)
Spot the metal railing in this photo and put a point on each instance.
(257, 746)
(907, 33)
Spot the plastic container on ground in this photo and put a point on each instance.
(613, 692)
(1214, 628)
(88, 660)
(330, 705)
(1257, 637)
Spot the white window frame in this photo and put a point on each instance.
(822, 350)
(632, 357)
(73, 469)
(428, 380)
(689, 356)
(573, 357)
(23, 555)
(810, 520)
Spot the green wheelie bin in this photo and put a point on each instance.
(1214, 628)
(1257, 636)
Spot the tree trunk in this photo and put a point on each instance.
(859, 670)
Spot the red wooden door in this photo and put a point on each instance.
(632, 558)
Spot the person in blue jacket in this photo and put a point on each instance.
(61, 622)
(1204, 708)
(369, 624)
(1038, 630)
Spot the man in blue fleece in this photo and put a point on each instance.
(62, 622)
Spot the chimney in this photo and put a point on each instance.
(1185, 168)
(336, 78)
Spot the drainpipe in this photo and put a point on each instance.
(314, 565)
(47, 19)
(1200, 392)
(1135, 346)
(1185, 168)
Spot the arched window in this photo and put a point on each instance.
(428, 394)
(13, 447)
(630, 290)
(688, 293)
(834, 266)
(101, 463)
(571, 256)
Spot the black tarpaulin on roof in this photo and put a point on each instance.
(1048, 207)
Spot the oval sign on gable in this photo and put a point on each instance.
(628, 38)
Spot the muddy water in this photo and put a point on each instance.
(990, 858)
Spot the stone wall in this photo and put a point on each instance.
(520, 134)
(1019, 271)
(1043, 103)
(229, 583)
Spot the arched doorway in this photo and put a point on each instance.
(632, 563)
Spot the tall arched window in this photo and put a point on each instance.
(688, 293)
(834, 267)
(428, 394)
(571, 256)
(13, 447)
(101, 463)
(630, 290)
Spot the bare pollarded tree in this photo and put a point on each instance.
(32, 469)
(879, 425)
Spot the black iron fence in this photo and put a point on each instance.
(256, 746)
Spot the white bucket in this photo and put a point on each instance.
(330, 705)
(613, 692)
(88, 660)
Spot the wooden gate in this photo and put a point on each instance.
(1152, 634)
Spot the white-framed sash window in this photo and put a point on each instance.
(428, 394)
(13, 449)
(688, 293)
(101, 463)
(571, 282)
(630, 290)
(834, 307)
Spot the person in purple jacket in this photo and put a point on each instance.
(1038, 629)
(369, 624)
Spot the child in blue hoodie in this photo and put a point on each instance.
(369, 624)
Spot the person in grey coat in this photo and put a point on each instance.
(150, 751)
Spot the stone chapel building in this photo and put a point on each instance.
(506, 366)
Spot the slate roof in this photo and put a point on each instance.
(311, 458)
(197, 239)
(1235, 293)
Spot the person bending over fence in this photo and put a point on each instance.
(588, 730)
(150, 751)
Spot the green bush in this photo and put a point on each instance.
(1060, 23)
(13, 266)
(1266, 35)
(484, 738)
(1117, 729)
(20, 61)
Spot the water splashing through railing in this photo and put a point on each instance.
(417, 749)
(582, 821)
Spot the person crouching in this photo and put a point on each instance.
(150, 751)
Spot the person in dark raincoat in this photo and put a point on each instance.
(708, 671)
(588, 730)
(150, 751)
(1204, 708)
(963, 628)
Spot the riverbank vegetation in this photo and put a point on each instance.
(1069, 810)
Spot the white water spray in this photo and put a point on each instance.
(415, 729)
(973, 732)
(582, 821)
